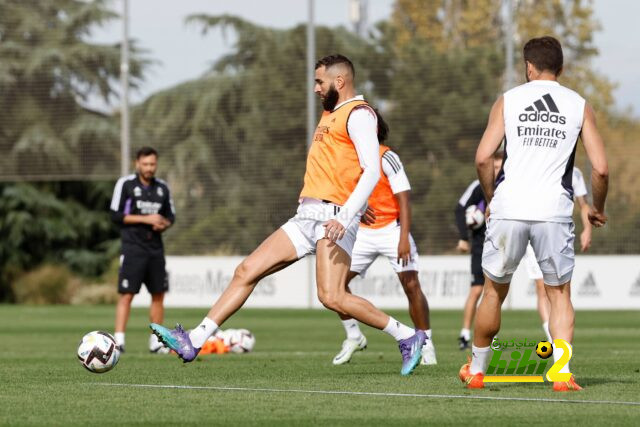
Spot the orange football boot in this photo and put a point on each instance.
(472, 381)
(570, 385)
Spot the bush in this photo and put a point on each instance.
(96, 294)
(48, 284)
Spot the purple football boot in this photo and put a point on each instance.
(177, 340)
(411, 350)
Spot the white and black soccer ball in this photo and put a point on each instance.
(98, 352)
(474, 217)
(239, 340)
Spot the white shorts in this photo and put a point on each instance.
(531, 264)
(506, 243)
(371, 242)
(306, 228)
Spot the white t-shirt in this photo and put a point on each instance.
(542, 123)
(393, 169)
(579, 187)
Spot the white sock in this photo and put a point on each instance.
(352, 329)
(119, 336)
(465, 333)
(428, 333)
(154, 342)
(557, 354)
(545, 326)
(202, 332)
(479, 359)
(397, 330)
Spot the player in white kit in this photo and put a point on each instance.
(388, 235)
(532, 198)
(531, 264)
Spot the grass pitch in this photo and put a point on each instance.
(289, 379)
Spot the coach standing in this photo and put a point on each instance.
(143, 208)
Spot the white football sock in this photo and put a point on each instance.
(465, 333)
(154, 342)
(352, 329)
(479, 359)
(557, 354)
(397, 330)
(428, 333)
(202, 332)
(119, 336)
(545, 326)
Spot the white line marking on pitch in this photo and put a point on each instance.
(364, 393)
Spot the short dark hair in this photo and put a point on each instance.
(146, 151)
(331, 60)
(545, 53)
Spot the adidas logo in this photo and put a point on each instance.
(589, 287)
(635, 288)
(543, 110)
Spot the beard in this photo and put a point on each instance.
(331, 99)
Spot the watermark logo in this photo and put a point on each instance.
(526, 361)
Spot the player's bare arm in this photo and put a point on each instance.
(404, 248)
(585, 236)
(594, 146)
(489, 144)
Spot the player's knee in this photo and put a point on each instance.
(243, 272)
(330, 300)
(411, 285)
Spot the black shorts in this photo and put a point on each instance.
(477, 275)
(137, 268)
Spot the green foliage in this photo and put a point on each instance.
(48, 284)
(48, 71)
(51, 223)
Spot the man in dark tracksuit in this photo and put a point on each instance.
(473, 195)
(143, 207)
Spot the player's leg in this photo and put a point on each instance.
(544, 307)
(535, 274)
(157, 283)
(275, 253)
(130, 276)
(332, 267)
(355, 339)
(505, 245)
(468, 314)
(553, 245)
(469, 311)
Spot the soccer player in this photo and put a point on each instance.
(143, 208)
(343, 167)
(388, 236)
(533, 196)
(473, 196)
(533, 270)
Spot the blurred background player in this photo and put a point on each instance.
(389, 235)
(531, 264)
(142, 206)
(343, 168)
(533, 200)
(470, 220)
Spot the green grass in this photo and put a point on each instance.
(42, 383)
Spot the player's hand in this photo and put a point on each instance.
(155, 220)
(585, 240)
(368, 218)
(463, 246)
(404, 251)
(161, 228)
(333, 230)
(596, 218)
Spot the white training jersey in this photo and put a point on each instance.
(542, 123)
(394, 170)
(579, 186)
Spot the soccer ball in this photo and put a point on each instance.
(544, 349)
(239, 340)
(98, 352)
(474, 217)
